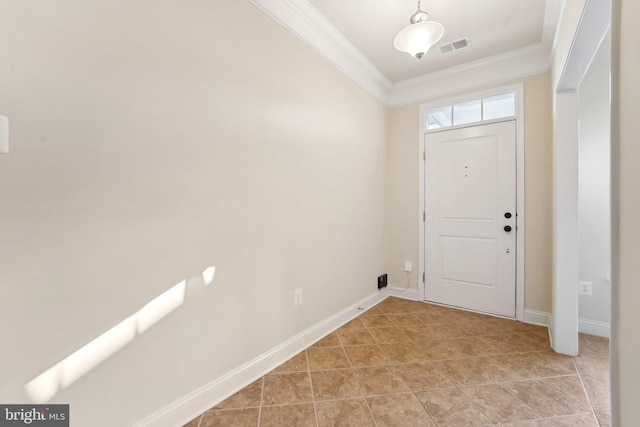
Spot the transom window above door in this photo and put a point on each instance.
(472, 111)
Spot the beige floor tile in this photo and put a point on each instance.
(506, 344)
(593, 367)
(327, 358)
(248, 397)
(529, 366)
(344, 413)
(354, 324)
(418, 332)
(448, 315)
(469, 347)
(335, 384)
(404, 352)
(582, 420)
(356, 337)
(423, 376)
(462, 316)
(520, 327)
(560, 360)
(542, 397)
(418, 307)
(498, 404)
(366, 355)
(391, 306)
(380, 380)
(471, 371)
(593, 347)
(296, 364)
(531, 341)
(449, 330)
(518, 367)
(404, 319)
(597, 389)
(451, 408)
(388, 335)
(233, 417)
(373, 311)
(194, 422)
(330, 340)
(431, 317)
(285, 389)
(440, 349)
(377, 321)
(485, 370)
(407, 302)
(548, 363)
(401, 410)
(480, 327)
(572, 387)
(290, 415)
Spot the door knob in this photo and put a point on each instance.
(507, 228)
(507, 215)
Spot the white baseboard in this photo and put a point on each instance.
(539, 318)
(593, 327)
(198, 401)
(399, 292)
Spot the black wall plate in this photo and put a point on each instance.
(382, 281)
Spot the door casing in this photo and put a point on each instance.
(532, 317)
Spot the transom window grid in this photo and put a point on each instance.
(472, 111)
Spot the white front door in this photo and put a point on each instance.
(470, 225)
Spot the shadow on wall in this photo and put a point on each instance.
(61, 375)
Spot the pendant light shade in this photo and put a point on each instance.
(417, 38)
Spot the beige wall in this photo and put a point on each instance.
(625, 343)
(403, 192)
(149, 141)
(594, 195)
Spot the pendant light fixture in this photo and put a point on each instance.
(418, 37)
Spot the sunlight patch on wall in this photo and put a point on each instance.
(46, 385)
(208, 275)
(159, 307)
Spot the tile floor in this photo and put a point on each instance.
(405, 363)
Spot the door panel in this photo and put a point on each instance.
(470, 183)
(477, 255)
(467, 186)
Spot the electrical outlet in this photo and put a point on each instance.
(297, 296)
(408, 266)
(585, 288)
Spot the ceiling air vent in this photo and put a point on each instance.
(455, 45)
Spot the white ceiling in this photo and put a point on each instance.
(509, 39)
(493, 26)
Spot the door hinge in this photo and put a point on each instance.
(424, 216)
(423, 277)
(424, 155)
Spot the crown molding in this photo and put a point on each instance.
(552, 12)
(487, 71)
(306, 23)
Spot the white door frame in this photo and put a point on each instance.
(520, 219)
(593, 26)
